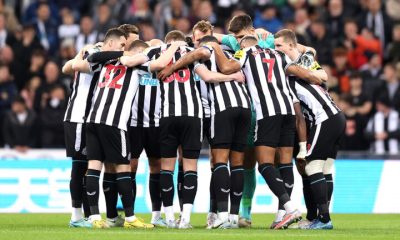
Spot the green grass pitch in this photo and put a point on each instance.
(55, 227)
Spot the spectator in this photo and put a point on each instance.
(333, 82)
(51, 118)
(103, 20)
(183, 25)
(30, 13)
(20, 128)
(341, 69)
(393, 49)
(87, 33)
(169, 12)
(335, 20)
(138, 11)
(37, 63)
(205, 11)
(383, 128)
(6, 37)
(8, 91)
(51, 73)
(301, 20)
(28, 92)
(378, 21)
(46, 28)
(393, 9)
(292, 26)
(390, 87)
(321, 41)
(372, 70)
(147, 31)
(267, 18)
(11, 22)
(120, 8)
(68, 28)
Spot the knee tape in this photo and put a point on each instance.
(314, 167)
(328, 167)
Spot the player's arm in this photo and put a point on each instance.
(189, 58)
(225, 65)
(67, 68)
(164, 59)
(304, 74)
(102, 57)
(133, 60)
(304, 49)
(301, 129)
(215, 77)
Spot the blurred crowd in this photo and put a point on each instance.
(357, 43)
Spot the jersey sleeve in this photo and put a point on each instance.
(231, 42)
(241, 56)
(266, 43)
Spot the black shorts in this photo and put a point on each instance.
(206, 128)
(147, 138)
(229, 129)
(75, 140)
(107, 144)
(184, 131)
(325, 138)
(276, 131)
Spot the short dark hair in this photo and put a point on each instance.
(175, 35)
(129, 28)
(288, 36)
(207, 39)
(114, 33)
(19, 99)
(355, 75)
(248, 38)
(240, 22)
(138, 43)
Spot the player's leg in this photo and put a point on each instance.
(152, 147)
(110, 190)
(117, 151)
(242, 122)
(169, 145)
(249, 175)
(190, 138)
(75, 141)
(179, 182)
(96, 157)
(268, 132)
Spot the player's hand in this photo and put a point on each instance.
(264, 33)
(381, 136)
(238, 77)
(166, 72)
(124, 60)
(301, 156)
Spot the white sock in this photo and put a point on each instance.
(155, 215)
(289, 207)
(223, 216)
(233, 218)
(76, 214)
(279, 215)
(187, 210)
(169, 213)
(94, 217)
(130, 219)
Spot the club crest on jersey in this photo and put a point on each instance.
(147, 80)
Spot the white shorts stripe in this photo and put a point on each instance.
(123, 143)
(316, 135)
(78, 137)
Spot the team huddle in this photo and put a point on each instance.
(256, 97)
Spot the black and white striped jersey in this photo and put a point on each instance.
(113, 98)
(179, 94)
(266, 80)
(225, 95)
(146, 106)
(82, 89)
(203, 88)
(316, 103)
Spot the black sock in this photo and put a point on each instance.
(78, 170)
(180, 186)
(189, 187)
(92, 190)
(110, 190)
(155, 194)
(329, 185)
(319, 192)
(312, 210)
(237, 183)
(286, 172)
(167, 187)
(221, 186)
(124, 183)
(86, 208)
(274, 182)
(133, 179)
(213, 198)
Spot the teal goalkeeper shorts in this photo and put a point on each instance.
(251, 135)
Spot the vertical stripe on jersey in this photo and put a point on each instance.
(121, 100)
(140, 102)
(73, 97)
